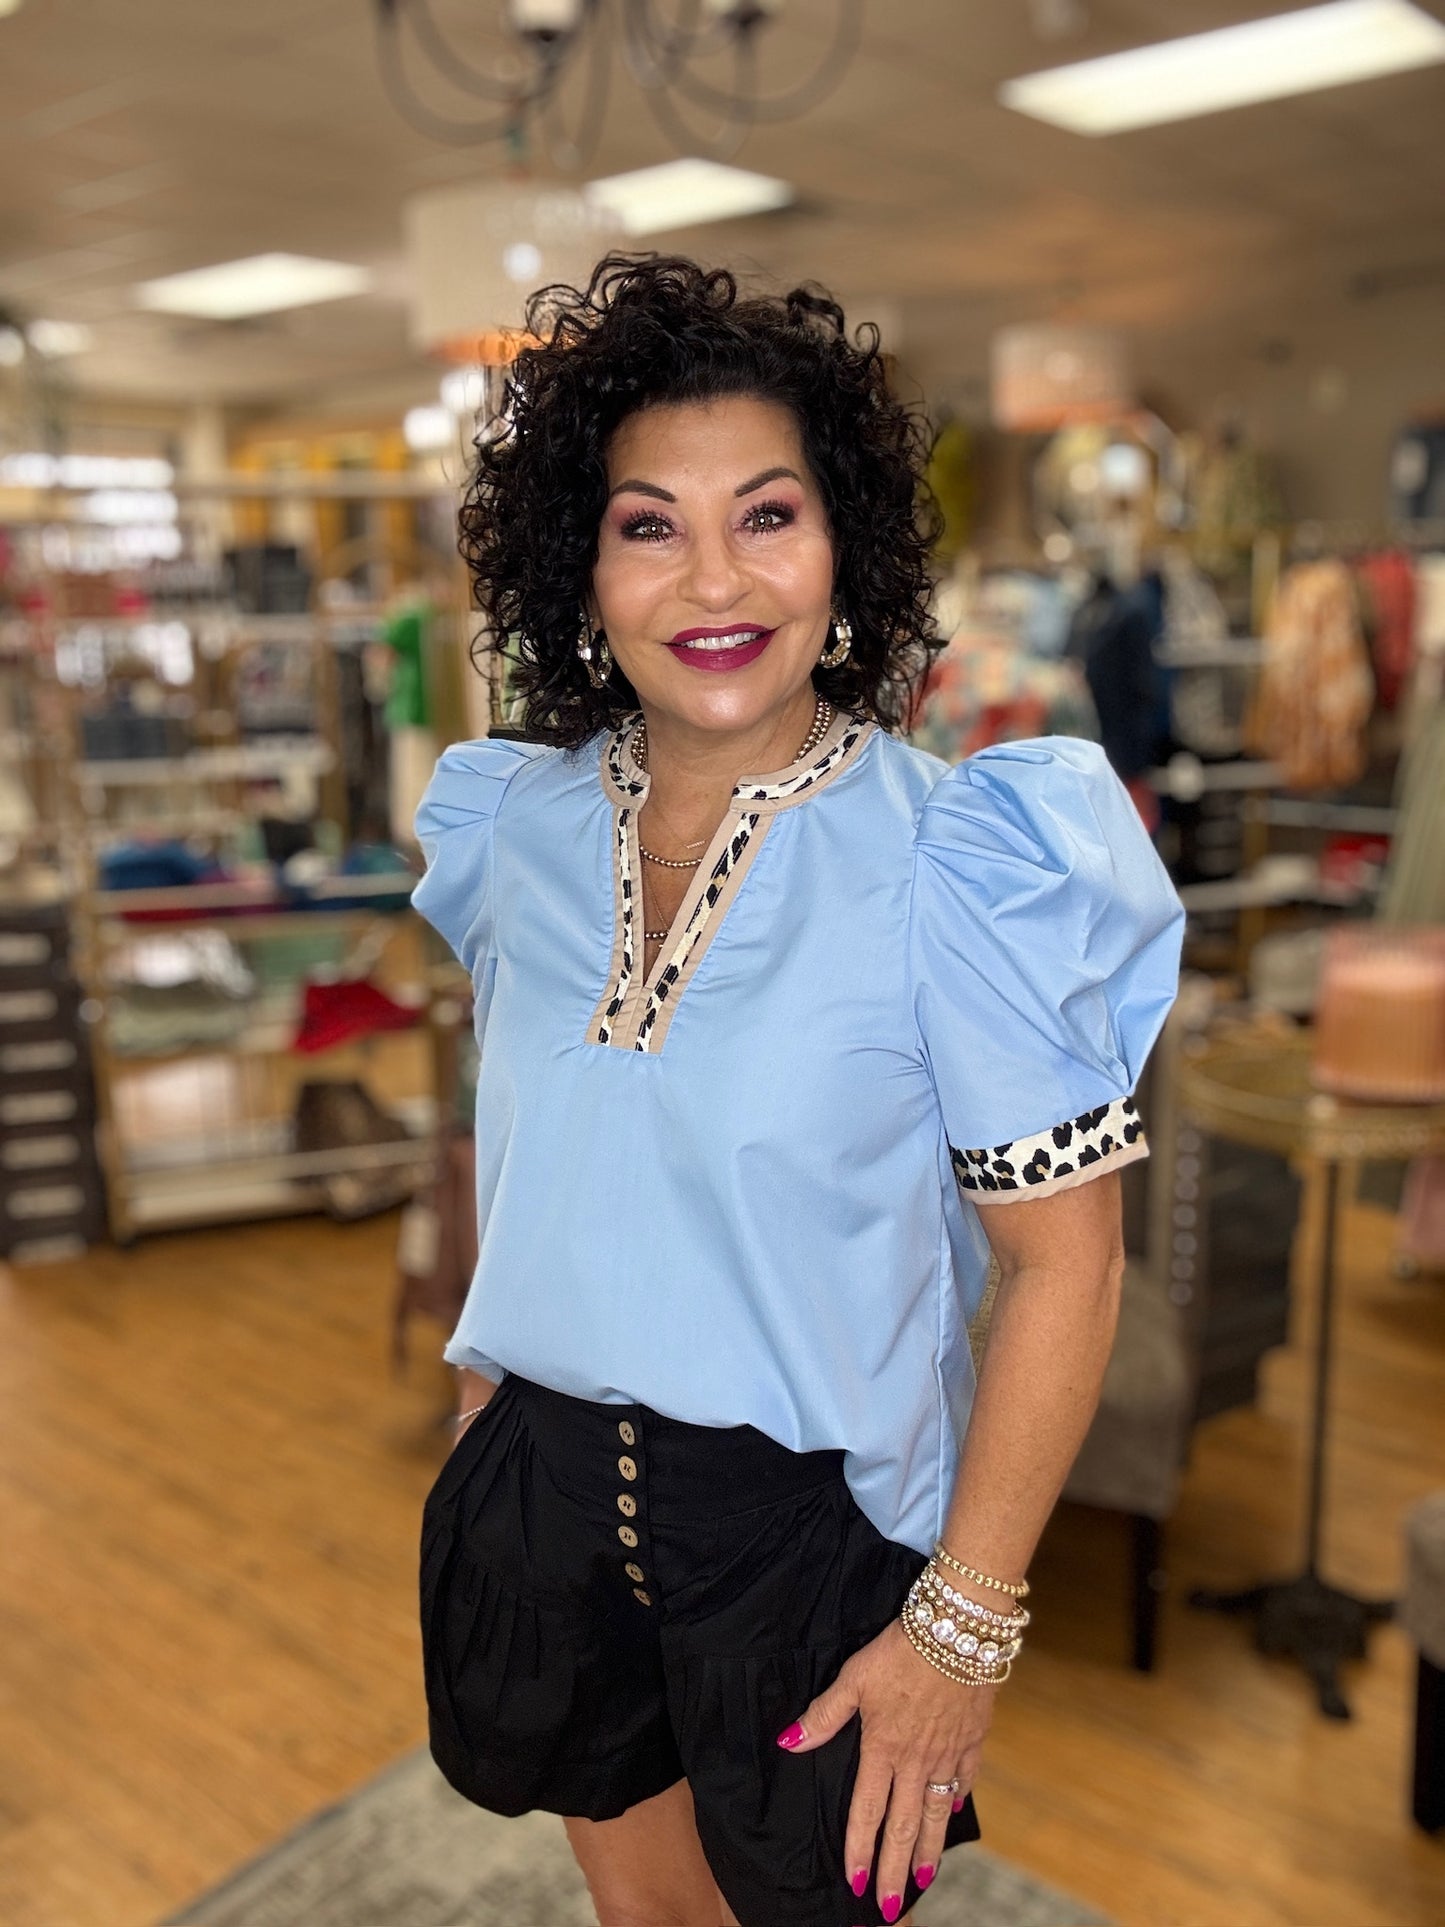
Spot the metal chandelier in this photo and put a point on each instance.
(697, 60)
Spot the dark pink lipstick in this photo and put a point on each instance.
(691, 646)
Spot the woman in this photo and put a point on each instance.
(769, 1061)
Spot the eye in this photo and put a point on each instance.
(645, 526)
(767, 516)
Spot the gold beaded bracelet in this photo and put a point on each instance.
(1016, 1590)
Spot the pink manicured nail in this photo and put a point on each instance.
(958, 1804)
(890, 1905)
(790, 1735)
(859, 1882)
(922, 1877)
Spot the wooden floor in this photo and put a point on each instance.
(210, 1488)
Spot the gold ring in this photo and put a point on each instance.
(949, 1787)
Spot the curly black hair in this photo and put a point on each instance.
(656, 329)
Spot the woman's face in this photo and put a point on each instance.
(714, 568)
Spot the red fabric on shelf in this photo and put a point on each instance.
(336, 1013)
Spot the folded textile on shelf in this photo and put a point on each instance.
(339, 1013)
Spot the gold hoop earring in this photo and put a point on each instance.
(840, 644)
(589, 640)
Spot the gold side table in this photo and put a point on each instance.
(1254, 1087)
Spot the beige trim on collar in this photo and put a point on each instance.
(626, 782)
(635, 1011)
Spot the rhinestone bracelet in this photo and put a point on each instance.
(955, 1626)
(952, 1664)
(956, 1635)
(936, 1589)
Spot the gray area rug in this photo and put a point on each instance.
(405, 1850)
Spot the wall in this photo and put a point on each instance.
(1325, 394)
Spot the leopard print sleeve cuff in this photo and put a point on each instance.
(1071, 1153)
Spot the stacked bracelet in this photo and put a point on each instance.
(954, 1633)
(1015, 1588)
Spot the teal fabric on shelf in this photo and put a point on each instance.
(740, 1187)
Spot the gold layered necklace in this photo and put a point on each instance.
(822, 717)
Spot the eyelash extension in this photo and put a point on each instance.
(783, 510)
(645, 526)
(634, 526)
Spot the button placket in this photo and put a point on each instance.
(629, 1470)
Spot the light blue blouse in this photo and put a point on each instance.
(740, 1189)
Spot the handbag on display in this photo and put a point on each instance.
(343, 1115)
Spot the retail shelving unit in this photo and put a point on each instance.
(204, 1128)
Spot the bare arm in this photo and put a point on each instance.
(1061, 1263)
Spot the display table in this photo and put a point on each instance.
(1254, 1087)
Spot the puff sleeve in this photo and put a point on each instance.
(454, 825)
(1044, 943)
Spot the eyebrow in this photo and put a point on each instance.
(634, 487)
(641, 488)
(768, 475)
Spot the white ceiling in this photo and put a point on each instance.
(143, 138)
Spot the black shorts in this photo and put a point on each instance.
(612, 1600)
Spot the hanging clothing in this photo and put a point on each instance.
(1315, 690)
(1414, 888)
(1236, 497)
(984, 689)
(1417, 473)
(1114, 636)
(1427, 678)
(413, 744)
(1387, 584)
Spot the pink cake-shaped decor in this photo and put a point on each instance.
(1380, 1020)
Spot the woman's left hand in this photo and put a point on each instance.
(918, 1726)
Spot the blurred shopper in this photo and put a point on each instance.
(769, 1061)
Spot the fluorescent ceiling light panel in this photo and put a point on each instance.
(261, 284)
(684, 194)
(58, 338)
(1271, 59)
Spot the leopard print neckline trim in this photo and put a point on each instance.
(627, 782)
(634, 1011)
